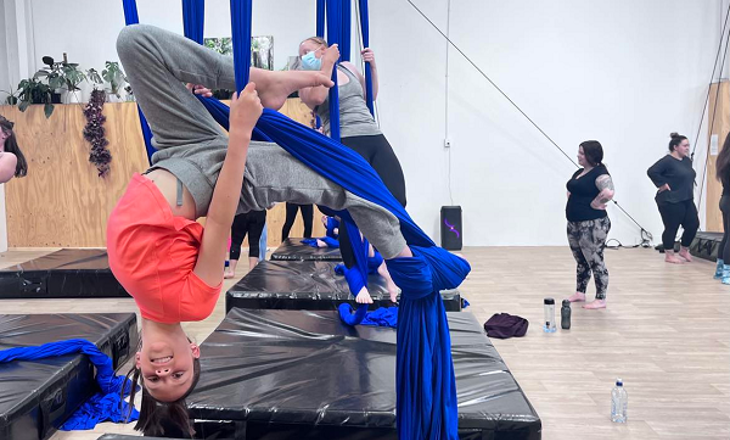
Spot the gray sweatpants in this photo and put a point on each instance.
(192, 146)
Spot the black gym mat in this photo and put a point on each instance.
(292, 249)
(37, 397)
(68, 273)
(284, 374)
(706, 245)
(308, 285)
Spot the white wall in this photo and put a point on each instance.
(624, 72)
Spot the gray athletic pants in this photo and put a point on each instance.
(192, 146)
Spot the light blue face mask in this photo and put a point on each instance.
(311, 62)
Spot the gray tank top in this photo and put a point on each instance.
(355, 118)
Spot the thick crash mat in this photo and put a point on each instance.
(37, 397)
(308, 285)
(68, 273)
(286, 374)
(706, 245)
(294, 249)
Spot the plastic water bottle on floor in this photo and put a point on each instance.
(565, 315)
(549, 326)
(619, 403)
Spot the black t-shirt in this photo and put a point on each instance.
(680, 176)
(583, 191)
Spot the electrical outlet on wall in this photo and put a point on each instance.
(447, 143)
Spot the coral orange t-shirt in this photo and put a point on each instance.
(153, 253)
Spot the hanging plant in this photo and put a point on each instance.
(94, 132)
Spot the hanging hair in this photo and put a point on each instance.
(676, 140)
(158, 419)
(722, 164)
(593, 152)
(318, 40)
(11, 146)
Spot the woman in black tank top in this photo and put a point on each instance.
(589, 190)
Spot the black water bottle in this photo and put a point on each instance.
(565, 315)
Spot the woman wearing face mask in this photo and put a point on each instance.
(12, 161)
(674, 178)
(358, 129)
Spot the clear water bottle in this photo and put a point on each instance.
(619, 403)
(565, 315)
(549, 326)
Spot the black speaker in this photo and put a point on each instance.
(451, 228)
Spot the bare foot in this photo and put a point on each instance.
(228, 274)
(321, 244)
(670, 257)
(684, 253)
(363, 296)
(392, 288)
(595, 304)
(577, 297)
(275, 87)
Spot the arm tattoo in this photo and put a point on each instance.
(604, 182)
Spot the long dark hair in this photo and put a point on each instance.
(676, 140)
(11, 146)
(722, 163)
(157, 419)
(593, 152)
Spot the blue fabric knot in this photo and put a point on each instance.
(413, 276)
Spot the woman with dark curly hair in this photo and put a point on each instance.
(12, 161)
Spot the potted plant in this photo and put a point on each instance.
(114, 77)
(130, 92)
(63, 76)
(32, 91)
(94, 78)
(12, 98)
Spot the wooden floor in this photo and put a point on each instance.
(666, 333)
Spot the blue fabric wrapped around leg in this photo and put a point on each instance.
(107, 405)
(426, 406)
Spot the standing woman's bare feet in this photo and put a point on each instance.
(684, 253)
(577, 297)
(595, 304)
(671, 257)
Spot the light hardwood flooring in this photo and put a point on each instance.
(666, 333)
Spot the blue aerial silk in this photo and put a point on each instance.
(320, 18)
(426, 386)
(106, 405)
(329, 241)
(132, 17)
(365, 28)
(381, 317)
(345, 29)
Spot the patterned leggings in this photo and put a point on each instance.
(587, 240)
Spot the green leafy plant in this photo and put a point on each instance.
(12, 98)
(61, 75)
(114, 76)
(32, 91)
(93, 76)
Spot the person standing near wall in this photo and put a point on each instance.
(722, 167)
(12, 161)
(589, 190)
(291, 215)
(674, 178)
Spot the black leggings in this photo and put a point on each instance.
(724, 251)
(380, 155)
(251, 223)
(291, 215)
(675, 214)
